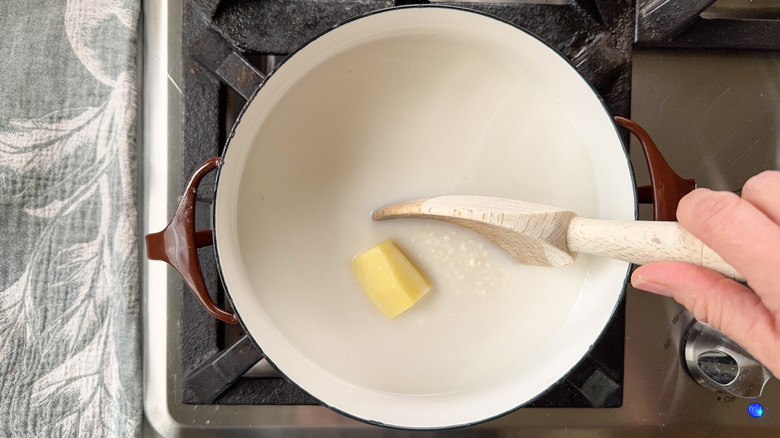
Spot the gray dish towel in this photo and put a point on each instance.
(69, 306)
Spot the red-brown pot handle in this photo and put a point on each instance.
(666, 187)
(177, 244)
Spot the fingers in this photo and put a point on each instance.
(726, 305)
(746, 233)
(740, 233)
(763, 191)
(711, 297)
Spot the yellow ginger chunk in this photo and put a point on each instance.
(389, 278)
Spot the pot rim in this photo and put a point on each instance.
(257, 338)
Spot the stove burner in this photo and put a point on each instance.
(230, 46)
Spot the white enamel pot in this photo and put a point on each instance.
(399, 104)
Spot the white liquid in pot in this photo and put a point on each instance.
(380, 123)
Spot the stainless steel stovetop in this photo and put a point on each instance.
(715, 115)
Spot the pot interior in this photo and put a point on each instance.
(402, 104)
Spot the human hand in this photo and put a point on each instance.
(746, 233)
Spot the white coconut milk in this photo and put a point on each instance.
(398, 120)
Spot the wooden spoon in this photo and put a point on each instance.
(534, 234)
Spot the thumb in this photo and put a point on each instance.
(728, 306)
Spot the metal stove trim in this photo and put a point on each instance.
(642, 415)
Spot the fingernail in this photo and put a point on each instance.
(643, 283)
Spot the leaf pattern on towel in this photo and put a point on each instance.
(69, 341)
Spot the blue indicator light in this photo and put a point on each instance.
(755, 410)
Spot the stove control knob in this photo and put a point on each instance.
(720, 364)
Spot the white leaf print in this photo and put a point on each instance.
(31, 145)
(78, 270)
(83, 19)
(66, 317)
(89, 389)
(12, 319)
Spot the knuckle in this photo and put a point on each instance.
(699, 308)
(766, 180)
(708, 211)
(705, 309)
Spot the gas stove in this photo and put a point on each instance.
(703, 79)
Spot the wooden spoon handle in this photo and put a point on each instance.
(642, 242)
